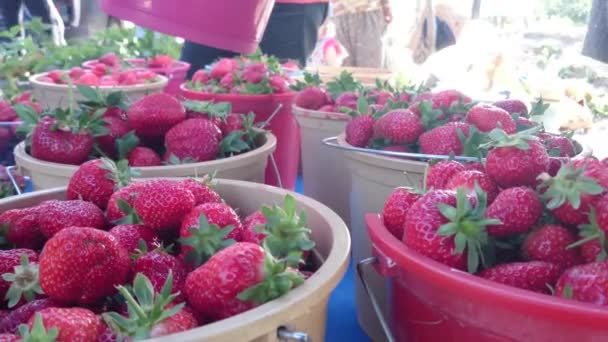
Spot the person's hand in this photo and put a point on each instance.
(388, 13)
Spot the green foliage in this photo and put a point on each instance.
(576, 10)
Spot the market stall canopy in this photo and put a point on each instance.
(235, 25)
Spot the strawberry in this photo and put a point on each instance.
(130, 235)
(24, 282)
(279, 84)
(22, 314)
(202, 191)
(537, 276)
(469, 179)
(555, 163)
(585, 283)
(52, 141)
(143, 156)
(221, 68)
(232, 122)
(360, 130)
(571, 193)
(117, 128)
(237, 279)
(200, 77)
(58, 215)
(254, 72)
(55, 75)
(9, 338)
(152, 116)
(560, 146)
(76, 72)
(487, 117)
(127, 194)
(250, 228)
(96, 180)
(10, 259)
(156, 265)
(478, 166)
(515, 160)
(7, 113)
(444, 140)
(399, 126)
(380, 97)
(89, 79)
(127, 78)
(82, 265)
(395, 209)
(328, 108)
(518, 209)
(594, 169)
(347, 99)
(151, 314)
(22, 228)
(550, 243)
(206, 229)
(312, 97)
(160, 61)
(73, 324)
(440, 173)
(512, 106)
(161, 204)
(194, 139)
(227, 81)
(443, 223)
(445, 99)
(110, 59)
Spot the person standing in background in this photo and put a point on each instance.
(360, 26)
(291, 33)
(12, 13)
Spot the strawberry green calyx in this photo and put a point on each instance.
(499, 138)
(468, 226)
(25, 282)
(206, 240)
(119, 172)
(131, 216)
(94, 99)
(310, 80)
(279, 279)
(29, 117)
(38, 333)
(252, 132)
(285, 231)
(146, 308)
(233, 144)
(126, 144)
(569, 184)
(539, 107)
(473, 145)
(343, 83)
(218, 110)
(590, 232)
(429, 116)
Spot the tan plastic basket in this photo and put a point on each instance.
(56, 95)
(324, 169)
(248, 166)
(304, 309)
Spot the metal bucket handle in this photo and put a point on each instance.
(332, 142)
(9, 172)
(273, 162)
(286, 334)
(372, 297)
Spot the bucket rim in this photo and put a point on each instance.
(161, 83)
(317, 114)
(193, 94)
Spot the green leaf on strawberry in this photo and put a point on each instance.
(38, 333)
(126, 144)
(206, 240)
(539, 107)
(25, 282)
(343, 83)
(592, 231)
(233, 144)
(310, 79)
(569, 184)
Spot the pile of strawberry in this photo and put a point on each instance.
(251, 74)
(10, 122)
(100, 76)
(156, 129)
(510, 221)
(112, 61)
(144, 259)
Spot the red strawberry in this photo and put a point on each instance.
(151, 314)
(440, 173)
(524, 124)
(468, 179)
(7, 113)
(359, 130)
(594, 169)
(110, 59)
(444, 140)
(347, 99)
(200, 77)
(555, 163)
(227, 81)
(329, 108)
(593, 251)
(130, 235)
(487, 117)
(380, 97)
(74, 324)
(156, 266)
(96, 180)
(23, 280)
(207, 228)
(194, 139)
(250, 227)
(76, 72)
(60, 145)
(254, 72)
(478, 166)
(585, 283)
(312, 97)
(201, 190)
(161, 204)
(22, 314)
(447, 98)
(513, 106)
(160, 61)
(432, 230)
(549, 243)
(23, 230)
(562, 145)
(82, 265)
(537, 276)
(89, 79)
(143, 156)
(515, 160)
(127, 194)
(127, 78)
(55, 75)
(518, 210)
(59, 215)
(233, 280)
(232, 122)
(152, 116)
(9, 259)
(395, 209)
(400, 126)
(117, 128)
(221, 68)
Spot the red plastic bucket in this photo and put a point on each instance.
(432, 302)
(176, 74)
(235, 25)
(284, 126)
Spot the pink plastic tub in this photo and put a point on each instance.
(432, 302)
(236, 25)
(284, 126)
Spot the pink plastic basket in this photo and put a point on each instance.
(235, 25)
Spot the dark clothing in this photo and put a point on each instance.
(10, 11)
(291, 33)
